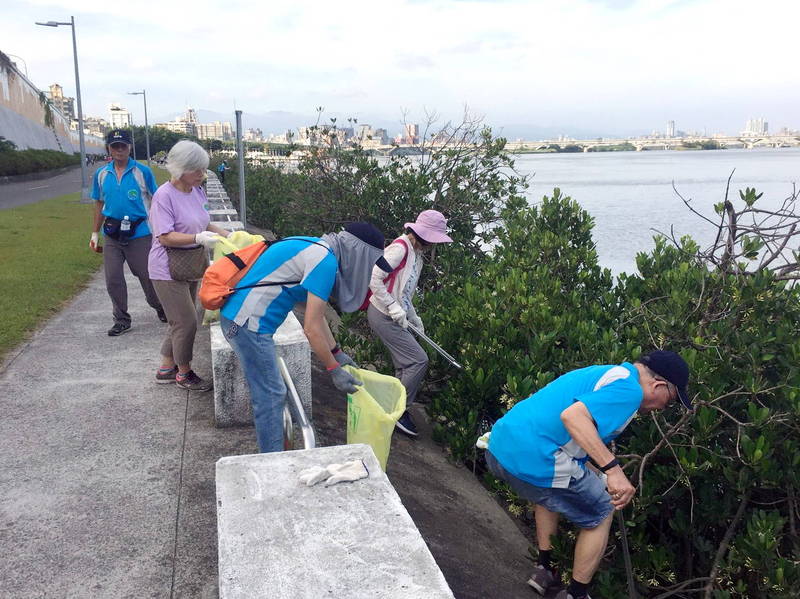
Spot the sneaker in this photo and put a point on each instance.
(166, 376)
(565, 594)
(118, 329)
(161, 316)
(406, 425)
(192, 382)
(542, 579)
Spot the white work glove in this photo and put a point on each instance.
(347, 472)
(416, 322)
(483, 441)
(344, 381)
(311, 476)
(397, 314)
(206, 239)
(94, 242)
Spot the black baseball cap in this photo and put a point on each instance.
(116, 136)
(673, 368)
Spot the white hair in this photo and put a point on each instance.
(186, 156)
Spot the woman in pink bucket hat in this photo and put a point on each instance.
(391, 308)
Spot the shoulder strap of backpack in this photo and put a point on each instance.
(240, 263)
(392, 277)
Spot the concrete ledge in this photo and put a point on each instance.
(281, 539)
(223, 212)
(232, 225)
(232, 405)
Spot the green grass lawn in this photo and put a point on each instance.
(44, 262)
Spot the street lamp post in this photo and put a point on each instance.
(84, 177)
(146, 131)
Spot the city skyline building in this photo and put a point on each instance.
(96, 126)
(62, 103)
(120, 118)
(756, 127)
(215, 130)
(670, 128)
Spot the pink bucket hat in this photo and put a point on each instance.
(431, 226)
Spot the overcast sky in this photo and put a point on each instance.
(612, 66)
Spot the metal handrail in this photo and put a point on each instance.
(294, 410)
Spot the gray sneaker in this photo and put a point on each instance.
(542, 579)
(192, 382)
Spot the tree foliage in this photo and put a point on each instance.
(520, 299)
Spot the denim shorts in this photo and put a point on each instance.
(586, 502)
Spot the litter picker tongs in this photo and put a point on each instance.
(435, 346)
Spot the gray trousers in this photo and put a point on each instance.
(135, 253)
(410, 360)
(178, 298)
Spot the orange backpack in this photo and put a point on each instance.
(220, 279)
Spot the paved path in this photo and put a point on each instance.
(30, 192)
(107, 479)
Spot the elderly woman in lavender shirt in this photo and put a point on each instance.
(179, 218)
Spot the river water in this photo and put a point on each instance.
(630, 194)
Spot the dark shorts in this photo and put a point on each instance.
(586, 502)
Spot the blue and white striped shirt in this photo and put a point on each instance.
(308, 260)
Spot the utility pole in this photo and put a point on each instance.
(240, 153)
(84, 176)
(143, 93)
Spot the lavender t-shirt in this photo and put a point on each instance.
(174, 210)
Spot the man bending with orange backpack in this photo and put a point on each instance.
(305, 271)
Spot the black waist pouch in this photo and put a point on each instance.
(112, 228)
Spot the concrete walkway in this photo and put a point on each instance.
(107, 479)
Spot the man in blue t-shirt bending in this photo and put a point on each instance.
(541, 446)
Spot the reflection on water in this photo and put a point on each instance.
(630, 194)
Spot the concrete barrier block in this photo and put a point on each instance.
(279, 538)
(232, 405)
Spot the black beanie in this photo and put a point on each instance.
(367, 233)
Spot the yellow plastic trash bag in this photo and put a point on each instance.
(235, 241)
(373, 410)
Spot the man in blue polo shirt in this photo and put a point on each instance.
(122, 190)
(541, 446)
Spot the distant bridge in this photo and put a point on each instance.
(663, 143)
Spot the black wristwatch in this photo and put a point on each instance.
(610, 465)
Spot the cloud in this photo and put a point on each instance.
(520, 60)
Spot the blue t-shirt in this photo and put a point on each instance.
(531, 442)
(124, 197)
(302, 264)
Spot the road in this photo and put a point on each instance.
(30, 192)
